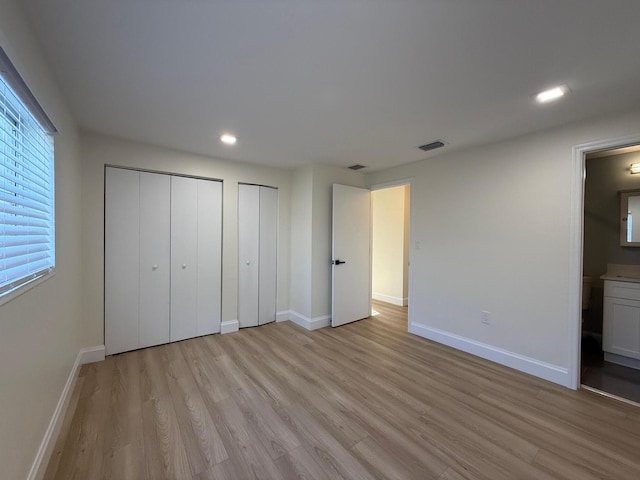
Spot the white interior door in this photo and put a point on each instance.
(122, 257)
(154, 268)
(209, 256)
(351, 245)
(184, 247)
(248, 254)
(268, 262)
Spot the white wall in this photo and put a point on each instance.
(98, 151)
(407, 241)
(494, 227)
(40, 331)
(301, 235)
(389, 258)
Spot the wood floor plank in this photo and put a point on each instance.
(203, 445)
(236, 438)
(451, 474)
(299, 464)
(383, 464)
(336, 461)
(165, 453)
(307, 391)
(257, 410)
(199, 357)
(559, 467)
(84, 448)
(123, 432)
(54, 462)
(590, 451)
(363, 401)
(252, 460)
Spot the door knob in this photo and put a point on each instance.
(337, 262)
(248, 262)
(184, 265)
(155, 267)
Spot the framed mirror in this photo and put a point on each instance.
(630, 218)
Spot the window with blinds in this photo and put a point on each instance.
(27, 224)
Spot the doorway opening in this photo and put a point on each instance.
(610, 319)
(390, 242)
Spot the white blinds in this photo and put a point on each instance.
(27, 229)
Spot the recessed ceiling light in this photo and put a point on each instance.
(228, 139)
(552, 94)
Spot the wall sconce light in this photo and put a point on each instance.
(635, 168)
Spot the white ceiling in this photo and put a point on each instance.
(337, 81)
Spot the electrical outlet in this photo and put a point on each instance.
(485, 317)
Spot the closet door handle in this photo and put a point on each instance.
(155, 267)
(184, 265)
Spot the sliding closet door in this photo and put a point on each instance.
(155, 201)
(248, 254)
(184, 245)
(268, 255)
(121, 250)
(209, 275)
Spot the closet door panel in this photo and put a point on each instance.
(209, 281)
(248, 254)
(155, 228)
(184, 244)
(268, 255)
(121, 259)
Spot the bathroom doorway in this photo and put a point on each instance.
(610, 319)
(390, 239)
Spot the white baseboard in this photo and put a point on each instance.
(320, 322)
(537, 368)
(282, 316)
(92, 354)
(309, 323)
(401, 302)
(229, 326)
(622, 360)
(39, 466)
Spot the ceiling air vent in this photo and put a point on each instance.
(356, 167)
(432, 145)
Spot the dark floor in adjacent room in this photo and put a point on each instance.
(605, 376)
(613, 379)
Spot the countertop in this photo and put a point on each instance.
(622, 273)
(619, 278)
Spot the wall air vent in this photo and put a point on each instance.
(356, 167)
(432, 145)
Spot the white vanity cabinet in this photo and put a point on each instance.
(621, 322)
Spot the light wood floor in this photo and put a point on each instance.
(363, 401)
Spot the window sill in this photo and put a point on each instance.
(7, 297)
